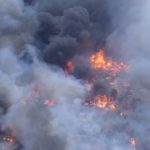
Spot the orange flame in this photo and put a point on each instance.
(99, 61)
(103, 101)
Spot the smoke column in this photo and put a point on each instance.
(47, 81)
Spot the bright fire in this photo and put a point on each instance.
(99, 61)
(103, 101)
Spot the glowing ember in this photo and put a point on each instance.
(9, 139)
(102, 101)
(112, 107)
(99, 61)
(69, 66)
(49, 102)
(133, 141)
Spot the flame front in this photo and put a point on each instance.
(103, 102)
(49, 102)
(99, 61)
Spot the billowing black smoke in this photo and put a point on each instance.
(65, 30)
(47, 83)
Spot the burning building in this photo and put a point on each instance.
(74, 75)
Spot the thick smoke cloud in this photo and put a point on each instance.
(37, 39)
(86, 22)
(60, 50)
(132, 38)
